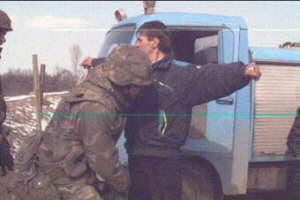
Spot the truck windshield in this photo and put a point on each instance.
(117, 36)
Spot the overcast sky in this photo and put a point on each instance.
(50, 28)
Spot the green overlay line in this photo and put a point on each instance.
(167, 114)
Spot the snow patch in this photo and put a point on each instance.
(44, 124)
(17, 98)
(21, 116)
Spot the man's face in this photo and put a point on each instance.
(144, 44)
(2, 37)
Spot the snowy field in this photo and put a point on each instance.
(21, 116)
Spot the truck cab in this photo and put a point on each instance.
(237, 144)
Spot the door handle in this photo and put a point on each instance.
(228, 101)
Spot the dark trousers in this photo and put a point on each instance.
(154, 178)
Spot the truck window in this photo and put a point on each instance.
(194, 46)
(206, 50)
(200, 48)
(116, 36)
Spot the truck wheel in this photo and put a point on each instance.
(198, 182)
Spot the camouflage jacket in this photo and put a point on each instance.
(293, 137)
(2, 105)
(82, 134)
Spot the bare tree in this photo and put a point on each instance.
(76, 54)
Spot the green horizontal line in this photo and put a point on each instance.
(168, 115)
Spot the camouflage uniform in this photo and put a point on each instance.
(293, 142)
(5, 157)
(80, 139)
(5, 26)
(293, 135)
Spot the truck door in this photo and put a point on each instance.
(213, 135)
(213, 123)
(220, 113)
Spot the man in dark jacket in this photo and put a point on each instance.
(5, 157)
(160, 119)
(79, 141)
(153, 142)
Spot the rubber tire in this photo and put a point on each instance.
(198, 183)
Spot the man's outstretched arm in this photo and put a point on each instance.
(214, 81)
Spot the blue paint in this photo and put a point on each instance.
(180, 63)
(242, 125)
(275, 54)
(188, 19)
(274, 158)
(219, 138)
(218, 127)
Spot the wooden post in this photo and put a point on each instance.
(36, 89)
(42, 84)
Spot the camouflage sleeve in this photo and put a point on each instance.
(99, 146)
(2, 109)
(2, 105)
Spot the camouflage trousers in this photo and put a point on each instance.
(40, 188)
(26, 182)
(79, 192)
(12, 187)
(16, 187)
(88, 192)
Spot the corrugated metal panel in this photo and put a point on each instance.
(275, 103)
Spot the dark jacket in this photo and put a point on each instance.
(160, 121)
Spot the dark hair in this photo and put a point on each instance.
(156, 29)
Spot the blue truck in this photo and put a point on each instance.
(237, 144)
